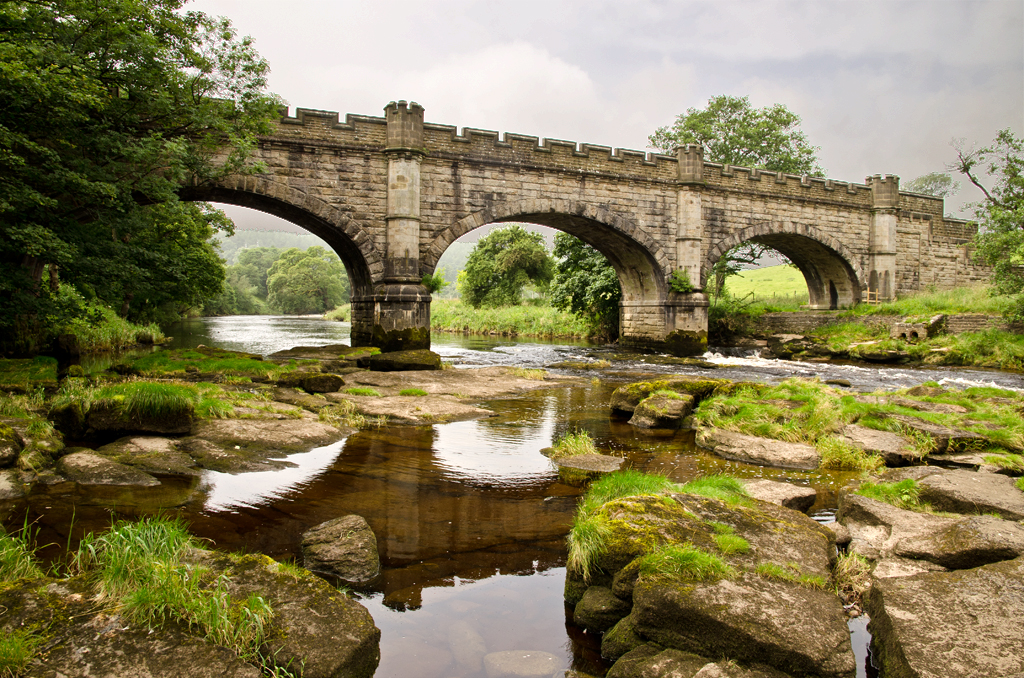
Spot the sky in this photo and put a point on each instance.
(882, 86)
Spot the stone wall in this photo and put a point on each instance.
(805, 322)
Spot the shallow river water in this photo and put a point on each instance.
(470, 518)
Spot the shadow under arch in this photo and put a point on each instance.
(353, 246)
(638, 260)
(832, 275)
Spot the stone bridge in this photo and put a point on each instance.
(391, 194)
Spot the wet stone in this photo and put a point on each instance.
(755, 450)
(86, 468)
(345, 547)
(894, 449)
(522, 664)
(600, 609)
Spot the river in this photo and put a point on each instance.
(470, 518)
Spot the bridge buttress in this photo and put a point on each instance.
(885, 196)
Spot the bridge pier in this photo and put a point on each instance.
(400, 312)
(885, 197)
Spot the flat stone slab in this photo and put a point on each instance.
(592, 463)
(796, 497)
(755, 450)
(151, 455)
(415, 410)
(959, 491)
(522, 664)
(86, 468)
(893, 448)
(967, 623)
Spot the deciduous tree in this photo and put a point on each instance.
(307, 281)
(586, 284)
(504, 262)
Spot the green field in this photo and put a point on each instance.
(768, 282)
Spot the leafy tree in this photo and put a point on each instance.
(586, 284)
(307, 281)
(504, 262)
(254, 264)
(939, 184)
(1000, 241)
(734, 132)
(106, 109)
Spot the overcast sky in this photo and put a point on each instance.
(882, 85)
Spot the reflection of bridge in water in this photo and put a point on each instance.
(391, 194)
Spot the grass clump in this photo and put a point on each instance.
(731, 543)
(142, 569)
(851, 577)
(789, 572)
(528, 373)
(684, 562)
(721, 487)
(1020, 483)
(839, 454)
(1010, 462)
(17, 557)
(22, 374)
(450, 315)
(17, 648)
(151, 399)
(363, 391)
(903, 494)
(417, 392)
(574, 444)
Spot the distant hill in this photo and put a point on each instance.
(244, 239)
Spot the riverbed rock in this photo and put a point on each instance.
(405, 361)
(600, 609)
(522, 664)
(150, 454)
(467, 647)
(345, 547)
(967, 623)
(323, 383)
(105, 416)
(796, 497)
(651, 661)
(959, 491)
(786, 346)
(240, 445)
(881, 531)
(11, 485)
(583, 466)
(10, 446)
(87, 468)
(755, 450)
(662, 411)
(894, 449)
(414, 410)
(945, 439)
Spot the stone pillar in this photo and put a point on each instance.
(885, 194)
(401, 305)
(686, 314)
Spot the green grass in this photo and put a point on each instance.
(723, 488)
(17, 557)
(770, 283)
(17, 648)
(924, 305)
(684, 562)
(587, 540)
(903, 494)
(789, 572)
(177, 362)
(151, 399)
(104, 330)
(731, 543)
(23, 373)
(451, 315)
(1010, 462)
(851, 576)
(531, 373)
(417, 392)
(840, 455)
(363, 391)
(141, 568)
(1020, 483)
(574, 444)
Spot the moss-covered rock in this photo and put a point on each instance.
(403, 361)
(662, 411)
(10, 446)
(600, 609)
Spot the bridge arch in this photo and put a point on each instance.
(833, 275)
(637, 258)
(351, 242)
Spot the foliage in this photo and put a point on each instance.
(923, 305)
(502, 264)
(1000, 240)
(574, 444)
(435, 283)
(684, 562)
(98, 328)
(17, 557)
(839, 454)
(342, 313)
(903, 494)
(679, 281)
(939, 184)
(586, 285)
(451, 315)
(303, 282)
(734, 132)
(108, 109)
(24, 374)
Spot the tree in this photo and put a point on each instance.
(502, 264)
(939, 184)
(106, 110)
(735, 133)
(254, 264)
(307, 281)
(586, 284)
(1000, 240)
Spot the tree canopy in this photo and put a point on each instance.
(939, 184)
(586, 284)
(504, 262)
(106, 110)
(735, 133)
(307, 281)
(1000, 241)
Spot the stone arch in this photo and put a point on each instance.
(638, 259)
(832, 273)
(353, 244)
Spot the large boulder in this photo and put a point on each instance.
(967, 623)
(662, 411)
(760, 451)
(405, 361)
(345, 547)
(150, 454)
(651, 661)
(600, 609)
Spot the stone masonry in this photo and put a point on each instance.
(391, 193)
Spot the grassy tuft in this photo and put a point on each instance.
(17, 558)
(17, 648)
(731, 543)
(903, 494)
(363, 391)
(851, 577)
(723, 488)
(839, 454)
(151, 399)
(525, 321)
(528, 373)
(418, 392)
(684, 562)
(587, 540)
(1008, 461)
(574, 444)
(1020, 483)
